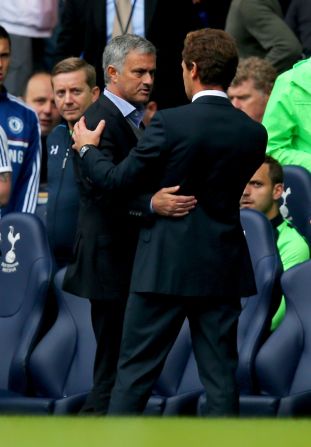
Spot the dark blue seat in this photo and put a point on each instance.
(60, 366)
(257, 310)
(283, 364)
(25, 273)
(296, 199)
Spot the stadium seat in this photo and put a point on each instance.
(257, 310)
(25, 274)
(283, 364)
(296, 199)
(60, 366)
(178, 387)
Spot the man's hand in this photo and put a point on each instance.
(166, 203)
(82, 135)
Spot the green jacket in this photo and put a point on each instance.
(293, 249)
(287, 117)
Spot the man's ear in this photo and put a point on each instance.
(95, 93)
(112, 72)
(194, 70)
(278, 191)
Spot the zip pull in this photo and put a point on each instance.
(65, 158)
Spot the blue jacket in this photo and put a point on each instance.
(63, 194)
(21, 126)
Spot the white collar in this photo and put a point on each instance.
(209, 93)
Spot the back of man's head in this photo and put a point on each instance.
(215, 54)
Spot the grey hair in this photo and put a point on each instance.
(119, 47)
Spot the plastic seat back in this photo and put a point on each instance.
(62, 363)
(257, 311)
(283, 364)
(296, 199)
(25, 273)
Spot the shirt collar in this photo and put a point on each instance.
(129, 111)
(277, 220)
(209, 93)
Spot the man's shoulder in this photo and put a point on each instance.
(102, 108)
(20, 105)
(58, 134)
(289, 234)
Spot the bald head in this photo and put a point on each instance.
(39, 95)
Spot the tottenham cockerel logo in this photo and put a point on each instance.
(10, 263)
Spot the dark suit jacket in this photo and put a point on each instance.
(211, 149)
(83, 30)
(298, 18)
(107, 233)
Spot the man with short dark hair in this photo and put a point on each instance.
(262, 193)
(189, 267)
(21, 126)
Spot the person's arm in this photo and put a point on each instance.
(164, 202)
(281, 120)
(28, 183)
(272, 33)
(5, 170)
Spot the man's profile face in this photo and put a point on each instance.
(260, 194)
(135, 82)
(73, 95)
(5, 53)
(39, 95)
(247, 98)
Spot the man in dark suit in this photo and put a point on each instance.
(190, 267)
(84, 30)
(107, 233)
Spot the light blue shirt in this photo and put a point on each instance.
(138, 18)
(128, 110)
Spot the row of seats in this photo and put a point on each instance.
(49, 371)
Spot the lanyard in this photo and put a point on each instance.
(124, 31)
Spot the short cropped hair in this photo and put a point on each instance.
(118, 48)
(275, 170)
(261, 71)
(5, 35)
(215, 54)
(72, 64)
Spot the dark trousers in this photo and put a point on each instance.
(107, 320)
(152, 323)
